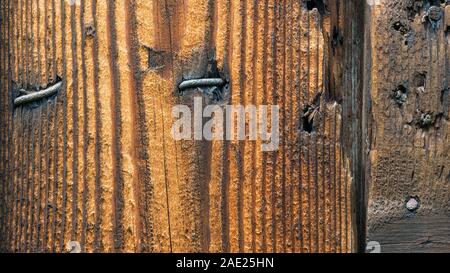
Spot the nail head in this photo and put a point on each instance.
(412, 204)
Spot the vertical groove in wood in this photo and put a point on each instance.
(39, 184)
(141, 181)
(55, 209)
(2, 167)
(63, 132)
(84, 202)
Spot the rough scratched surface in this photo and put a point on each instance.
(409, 126)
(97, 164)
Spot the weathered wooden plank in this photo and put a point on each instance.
(98, 161)
(408, 121)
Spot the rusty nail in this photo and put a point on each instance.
(35, 96)
(201, 83)
(216, 89)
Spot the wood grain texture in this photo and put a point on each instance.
(97, 164)
(408, 155)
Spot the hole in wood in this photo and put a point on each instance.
(152, 59)
(420, 79)
(400, 95)
(426, 120)
(401, 27)
(89, 30)
(316, 4)
(308, 118)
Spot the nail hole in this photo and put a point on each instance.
(90, 31)
(420, 79)
(400, 95)
(426, 120)
(309, 114)
(152, 59)
(400, 27)
(316, 4)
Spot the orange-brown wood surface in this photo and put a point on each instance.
(97, 164)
